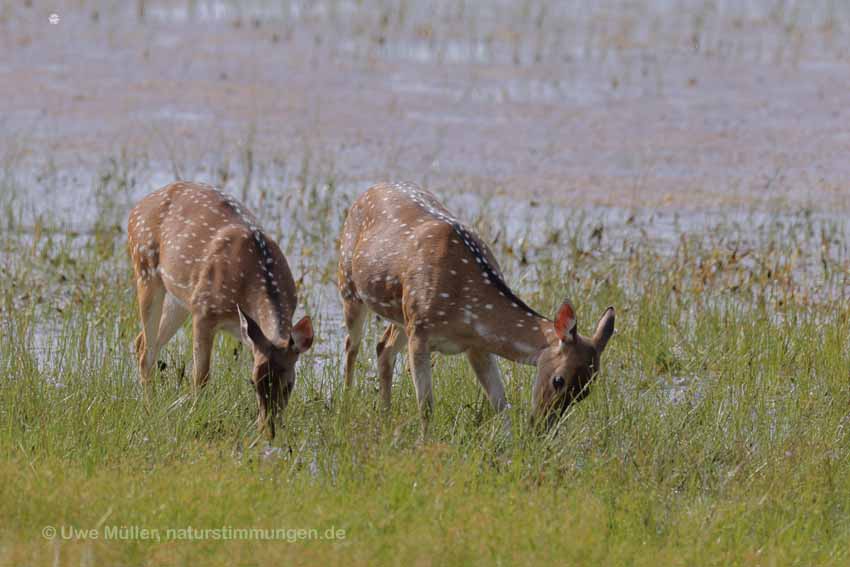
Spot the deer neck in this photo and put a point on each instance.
(505, 326)
(271, 307)
(519, 338)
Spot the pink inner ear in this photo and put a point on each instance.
(302, 334)
(565, 322)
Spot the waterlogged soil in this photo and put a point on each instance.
(675, 104)
(551, 127)
(538, 244)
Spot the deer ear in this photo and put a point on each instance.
(250, 331)
(302, 334)
(565, 323)
(604, 330)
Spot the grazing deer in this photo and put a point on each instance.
(198, 251)
(406, 258)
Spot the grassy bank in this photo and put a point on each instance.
(717, 432)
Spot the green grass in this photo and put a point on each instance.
(717, 432)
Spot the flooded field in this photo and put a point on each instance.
(682, 160)
(57, 261)
(656, 121)
(652, 103)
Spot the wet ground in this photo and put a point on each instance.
(561, 130)
(655, 103)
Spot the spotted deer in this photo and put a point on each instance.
(405, 257)
(198, 251)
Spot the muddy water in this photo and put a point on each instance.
(305, 218)
(721, 121)
(657, 103)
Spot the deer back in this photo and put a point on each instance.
(211, 254)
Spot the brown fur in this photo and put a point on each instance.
(408, 259)
(197, 251)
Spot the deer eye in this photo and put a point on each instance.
(558, 382)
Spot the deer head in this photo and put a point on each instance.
(567, 367)
(273, 376)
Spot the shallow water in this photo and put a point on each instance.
(658, 103)
(525, 234)
(563, 133)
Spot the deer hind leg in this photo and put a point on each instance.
(390, 345)
(173, 316)
(151, 294)
(355, 318)
(420, 365)
(139, 343)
